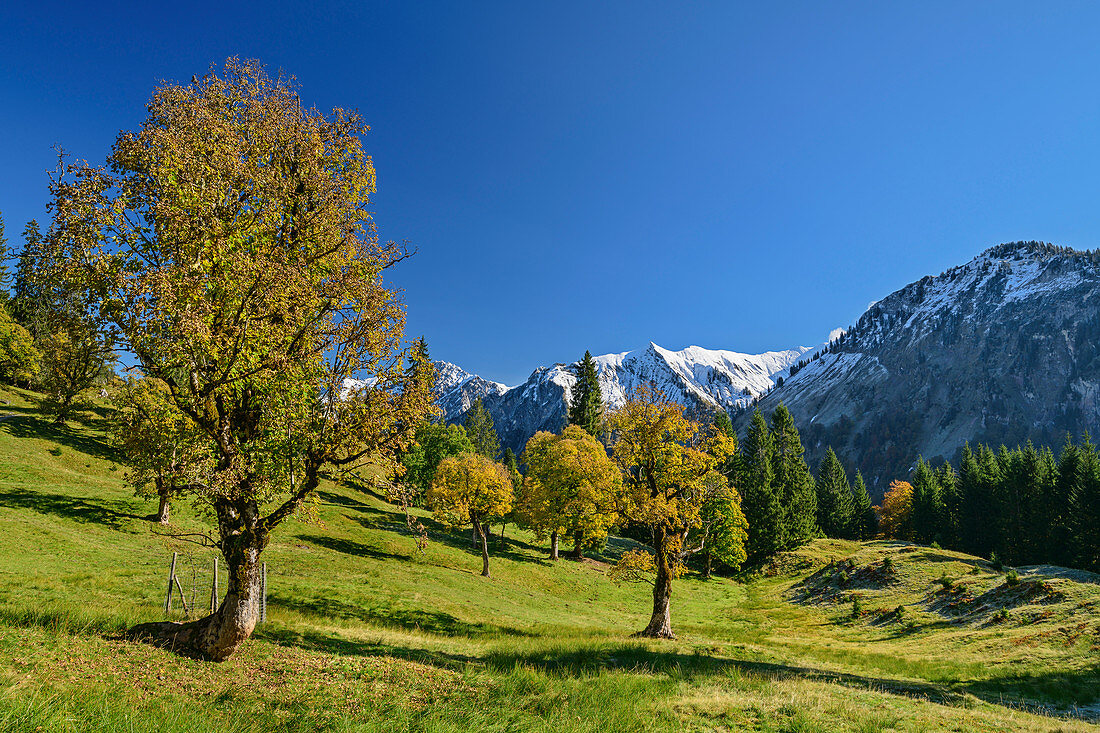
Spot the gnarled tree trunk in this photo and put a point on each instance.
(660, 623)
(164, 509)
(218, 635)
(578, 545)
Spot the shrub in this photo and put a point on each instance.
(945, 581)
(55, 451)
(1012, 578)
(935, 546)
(857, 607)
(996, 562)
(888, 563)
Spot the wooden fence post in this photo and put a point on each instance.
(171, 577)
(214, 588)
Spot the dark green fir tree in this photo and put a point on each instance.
(481, 430)
(759, 496)
(834, 497)
(586, 407)
(793, 480)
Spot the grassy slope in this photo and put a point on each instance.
(364, 633)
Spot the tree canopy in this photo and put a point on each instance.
(669, 464)
(229, 243)
(471, 489)
(572, 487)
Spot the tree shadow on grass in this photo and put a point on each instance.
(350, 547)
(78, 438)
(75, 508)
(332, 644)
(405, 619)
(1044, 694)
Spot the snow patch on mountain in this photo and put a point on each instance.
(694, 377)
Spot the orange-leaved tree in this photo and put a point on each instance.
(669, 466)
(895, 513)
(229, 244)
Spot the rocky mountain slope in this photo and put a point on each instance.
(697, 378)
(1003, 349)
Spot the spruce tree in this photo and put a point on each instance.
(759, 498)
(793, 481)
(586, 407)
(834, 497)
(1060, 533)
(481, 431)
(926, 503)
(950, 505)
(864, 521)
(5, 256)
(27, 298)
(1085, 509)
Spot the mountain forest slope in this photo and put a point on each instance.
(365, 633)
(1001, 350)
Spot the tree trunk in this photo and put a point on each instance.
(660, 624)
(221, 633)
(553, 545)
(164, 510)
(578, 545)
(479, 528)
(706, 564)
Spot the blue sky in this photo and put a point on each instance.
(745, 176)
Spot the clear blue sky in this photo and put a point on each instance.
(595, 176)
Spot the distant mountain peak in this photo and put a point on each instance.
(695, 377)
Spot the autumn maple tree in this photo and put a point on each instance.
(470, 489)
(669, 464)
(896, 511)
(230, 245)
(572, 487)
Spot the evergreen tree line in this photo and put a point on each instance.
(1021, 506)
(784, 504)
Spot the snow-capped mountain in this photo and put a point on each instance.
(694, 377)
(1005, 348)
(456, 389)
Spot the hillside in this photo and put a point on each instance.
(1002, 349)
(366, 634)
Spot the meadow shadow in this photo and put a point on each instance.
(404, 619)
(68, 507)
(77, 439)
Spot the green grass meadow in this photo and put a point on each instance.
(366, 633)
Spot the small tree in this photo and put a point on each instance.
(571, 488)
(834, 497)
(76, 359)
(481, 431)
(471, 489)
(434, 442)
(586, 407)
(895, 513)
(723, 530)
(864, 521)
(19, 359)
(165, 453)
(669, 465)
